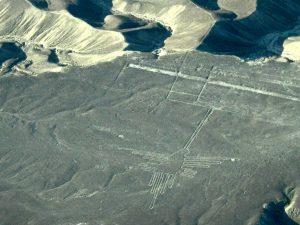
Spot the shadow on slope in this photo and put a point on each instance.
(250, 36)
(87, 10)
(52, 57)
(274, 214)
(91, 12)
(213, 7)
(10, 55)
(41, 4)
(141, 35)
(147, 38)
(207, 4)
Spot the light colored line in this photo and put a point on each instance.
(191, 139)
(116, 79)
(183, 93)
(154, 187)
(152, 203)
(154, 158)
(189, 172)
(172, 181)
(218, 83)
(166, 72)
(154, 183)
(188, 103)
(223, 109)
(253, 90)
(193, 166)
(202, 89)
(152, 179)
(195, 163)
(171, 89)
(154, 70)
(156, 190)
(183, 62)
(196, 132)
(177, 74)
(198, 129)
(165, 184)
(121, 72)
(188, 175)
(189, 77)
(204, 86)
(153, 200)
(208, 157)
(200, 164)
(262, 78)
(202, 161)
(160, 182)
(161, 177)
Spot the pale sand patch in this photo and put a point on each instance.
(85, 44)
(293, 209)
(243, 8)
(291, 48)
(189, 23)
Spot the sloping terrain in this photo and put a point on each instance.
(73, 39)
(130, 142)
(10, 55)
(85, 33)
(141, 113)
(263, 30)
(291, 48)
(139, 34)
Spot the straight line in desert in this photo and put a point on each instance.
(253, 90)
(218, 83)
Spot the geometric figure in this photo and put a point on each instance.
(204, 86)
(159, 182)
(195, 133)
(204, 162)
(187, 86)
(200, 162)
(181, 96)
(198, 129)
(189, 173)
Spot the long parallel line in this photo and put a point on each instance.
(217, 83)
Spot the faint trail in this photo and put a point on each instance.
(116, 78)
(177, 74)
(204, 86)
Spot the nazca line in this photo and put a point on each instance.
(195, 133)
(159, 182)
(202, 162)
(177, 75)
(116, 78)
(204, 86)
(197, 130)
(215, 82)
